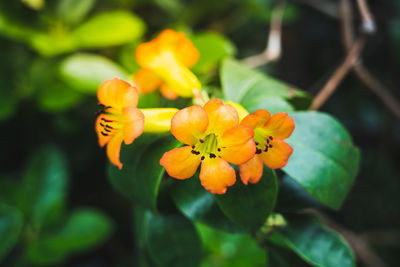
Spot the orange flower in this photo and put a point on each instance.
(269, 133)
(119, 120)
(165, 61)
(215, 139)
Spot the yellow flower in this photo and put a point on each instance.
(165, 63)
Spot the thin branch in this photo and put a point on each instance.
(368, 23)
(338, 75)
(273, 49)
(363, 74)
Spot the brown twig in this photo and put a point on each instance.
(338, 75)
(363, 74)
(368, 23)
(273, 49)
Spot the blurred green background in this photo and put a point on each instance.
(54, 54)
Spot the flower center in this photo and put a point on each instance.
(263, 141)
(207, 147)
(109, 121)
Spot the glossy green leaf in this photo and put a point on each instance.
(229, 250)
(213, 47)
(324, 161)
(315, 243)
(249, 205)
(11, 221)
(83, 230)
(252, 89)
(43, 191)
(109, 29)
(141, 174)
(171, 240)
(198, 204)
(85, 72)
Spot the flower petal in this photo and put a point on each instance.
(117, 93)
(257, 119)
(132, 120)
(280, 125)
(216, 174)
(242, 112)
(189, 124)
(277, 155)
(221, 117)
(168, 92)
(113, 149)
(252, 170)
(183, 48)
(104, 137)
(147, 81)
(180, 163)
(237, 145)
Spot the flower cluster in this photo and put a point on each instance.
(215, 135)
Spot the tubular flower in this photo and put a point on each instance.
(119, 120)
(214, 139)
(165, 63)
(269, 133)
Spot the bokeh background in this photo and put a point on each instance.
(48, 105)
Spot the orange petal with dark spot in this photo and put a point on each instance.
(278, 155)
(189, 124)
(180, 163)
(280, 125)
(237, 145)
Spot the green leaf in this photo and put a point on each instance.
(198, 204)
(171, 240)
(85, 72)
(229, 250)
(109, 29)
(272, 104)
(315, 243)
(141, 174)
(292, 197)
(213, 47)
(43, 193)
(58, 97)
(249, 205)
(11, 222)
(324, 161)
(252, 89)
(73, 11)
(83, 230)
(282, 257)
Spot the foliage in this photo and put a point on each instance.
(62, 204)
